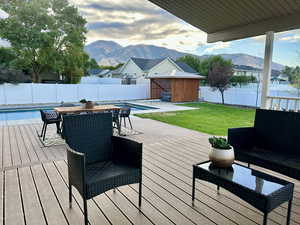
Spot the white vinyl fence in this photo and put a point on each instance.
(98, 80)
(56, 93)
(247, 95)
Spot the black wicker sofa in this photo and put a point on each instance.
(273, 142)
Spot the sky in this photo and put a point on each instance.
(141, 22)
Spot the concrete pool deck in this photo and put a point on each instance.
(157, 104)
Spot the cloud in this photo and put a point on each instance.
(216, 46)
(137, 22)
(294, 38)
(290, 36)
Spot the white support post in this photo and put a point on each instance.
(267, 69)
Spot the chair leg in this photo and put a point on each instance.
(124, 120)
(58, 127)
(45, 132)
(70, 196)
(119, 126)
(42, 130)
(129, 122)
(85, 212)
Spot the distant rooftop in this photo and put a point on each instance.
(147, 64)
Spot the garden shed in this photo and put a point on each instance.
(176, 86)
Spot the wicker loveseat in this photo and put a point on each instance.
(272, 143)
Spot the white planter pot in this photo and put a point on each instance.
(221, 157)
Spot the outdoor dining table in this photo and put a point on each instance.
(81, 109)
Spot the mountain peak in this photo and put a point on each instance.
(110, 52)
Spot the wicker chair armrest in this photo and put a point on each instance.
(76, 169)
(127, 152)
(242, 138)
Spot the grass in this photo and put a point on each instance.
(208, 118)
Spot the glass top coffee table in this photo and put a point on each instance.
(261, 190)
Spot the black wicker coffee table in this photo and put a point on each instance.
(262, 191)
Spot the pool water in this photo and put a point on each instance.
(25, 114)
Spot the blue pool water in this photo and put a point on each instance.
(25, 114)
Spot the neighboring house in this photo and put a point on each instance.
(243, 70)
(139, 69)
(104, 73)
(281, 79)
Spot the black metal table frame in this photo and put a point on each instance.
(264, 203)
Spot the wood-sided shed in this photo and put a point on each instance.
(180, 86)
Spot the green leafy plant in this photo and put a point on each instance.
(219, 143)
(83, 101)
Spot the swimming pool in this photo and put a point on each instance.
(34, 113)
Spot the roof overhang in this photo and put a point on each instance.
(175, 74)
(231, 20)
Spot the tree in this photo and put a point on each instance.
(242, 80)
(7, 57)
(112, 67)
(41, 32)
(219, 77)
(207, 64)
(192, 61)
(288, 71)
(295, 79)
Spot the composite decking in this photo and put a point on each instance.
(34, 190)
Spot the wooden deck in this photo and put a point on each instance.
(33, 184)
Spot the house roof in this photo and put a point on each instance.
(244, 67)
(175, 74)
(95, 71)
(147, 64)
(185, 67)
(231, 20)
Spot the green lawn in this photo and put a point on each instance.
(209, 118)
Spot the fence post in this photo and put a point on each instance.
(56, 94)
(4, 94)
(31, 90)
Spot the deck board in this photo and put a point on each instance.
(1, 198)
(73, 215)
(54, 214)
(13, 203)
(34, 185)
(184, 173)
(24, 157)
(15, 152)
(94, 214)
(7, 160)
(32, 207)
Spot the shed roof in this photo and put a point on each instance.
(235, 19)
(177, 75)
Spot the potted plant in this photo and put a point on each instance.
(87, 104)
(221, 154)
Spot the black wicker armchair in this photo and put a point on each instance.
(50, 117)
(98, 161)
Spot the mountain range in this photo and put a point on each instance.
(111, 53)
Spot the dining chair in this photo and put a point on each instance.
(97, 160)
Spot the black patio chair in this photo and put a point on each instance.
(97, 160)
(125, 113)
(50, 117)
(116, 120)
